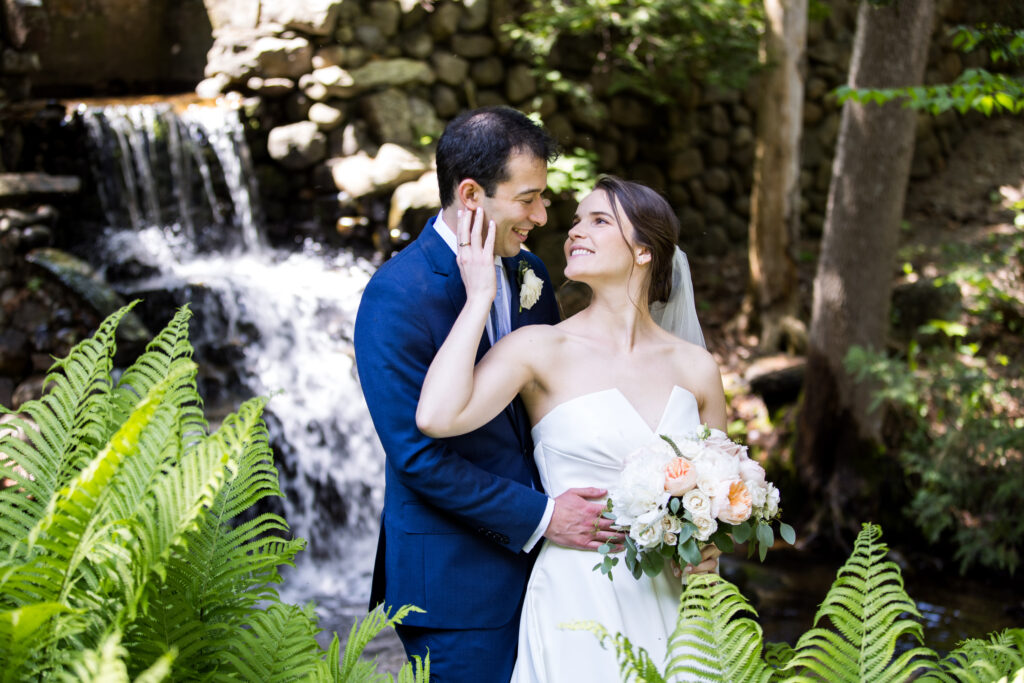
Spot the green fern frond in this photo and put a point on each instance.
(106, 664)
(866, 605)
(1000, 658)
(75, 529)
(168, 348)
(64, 430)
(416, 671)
(634, 664)
(713, 639)
(24, 632)
(278, 644)
(363, 632)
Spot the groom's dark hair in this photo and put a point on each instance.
(477, 144)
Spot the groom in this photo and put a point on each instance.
(462, 515)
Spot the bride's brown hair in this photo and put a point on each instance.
(655, 227)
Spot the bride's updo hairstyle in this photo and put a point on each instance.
(655, 226)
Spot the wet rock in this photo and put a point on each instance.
(79, 277)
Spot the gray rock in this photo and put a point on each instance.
(716, 180)
(418, 45)
(449, 68)
(315, 17)
(212, 88)
(444, 21)
(521, 84)
(445, 100)
(389, 115)
(425, 123)
(717, 151)
(473, 46)
(487, 72)
(329, 55)
(270, 87)
(719, 120)
(14, 353)
(418, 194)
(474, 14)
(325, 116)
(371, 37)
(714, 209)
(297, 145)
(685, 165)
(281, 58)
(352, 174)
(386, 15)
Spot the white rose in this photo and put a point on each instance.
(529, 289)
(705, 527)
(758, 493)
(646, 535)
(771, 501)
(697, 503)
(671, 524)
(671, 538)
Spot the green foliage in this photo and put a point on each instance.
(121, 553)
(574, 173)
(651, 47)
(975, 89)
(961, 446)
(868, 609)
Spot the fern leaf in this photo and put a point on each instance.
(865, 605)
(416, 671)
(278, 644)
(168, 348)
(634, 664)
(1000, 658)
(24, 632)
(65, 429)
(363, 632)
(713, 640)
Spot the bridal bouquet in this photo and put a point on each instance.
(681, 492)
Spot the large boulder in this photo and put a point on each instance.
(359, 175)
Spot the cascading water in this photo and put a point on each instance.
(178, 195)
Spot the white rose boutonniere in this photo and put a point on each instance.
(529, 286)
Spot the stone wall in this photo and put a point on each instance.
(349, 94)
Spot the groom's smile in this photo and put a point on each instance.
(517, 206)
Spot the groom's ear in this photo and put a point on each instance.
(470, 193)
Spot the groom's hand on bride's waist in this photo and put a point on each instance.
(577, 521)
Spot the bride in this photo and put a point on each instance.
(597, 386)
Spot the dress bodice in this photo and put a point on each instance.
(584, 441)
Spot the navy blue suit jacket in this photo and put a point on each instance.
(457, 511)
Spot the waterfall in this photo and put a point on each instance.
(179, 198)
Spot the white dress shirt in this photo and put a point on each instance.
(448, 235)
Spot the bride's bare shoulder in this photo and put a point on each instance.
(691, 356)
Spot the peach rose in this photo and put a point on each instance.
(680, 476)
(738, 506)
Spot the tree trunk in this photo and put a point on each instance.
(775, 204)
(852, 286)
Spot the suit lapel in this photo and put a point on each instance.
(442, 262)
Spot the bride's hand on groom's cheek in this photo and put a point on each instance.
(475, 254)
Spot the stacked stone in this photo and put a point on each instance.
(39, 319)
(350, 94)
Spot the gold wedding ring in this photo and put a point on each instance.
(463, 244)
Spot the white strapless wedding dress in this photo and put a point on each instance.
(583, 442)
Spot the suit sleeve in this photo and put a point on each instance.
(394, 348)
